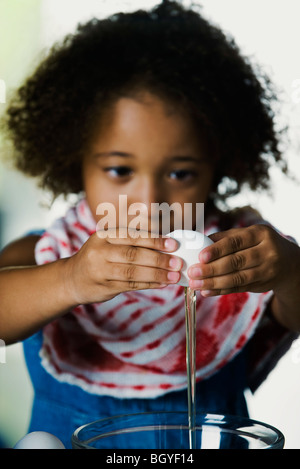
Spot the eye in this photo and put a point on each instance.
(182, 174)
(118, 171)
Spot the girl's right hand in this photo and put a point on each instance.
(105, 267)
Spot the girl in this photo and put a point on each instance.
(159, 107)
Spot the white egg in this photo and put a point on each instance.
(39, 440)
(190, 244)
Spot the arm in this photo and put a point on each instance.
(32, 296)
(285, 304)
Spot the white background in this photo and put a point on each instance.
(268, 31)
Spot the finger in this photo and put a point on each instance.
(117, 286)
(135, 274)
(138, 238)
(254, 288)
(237, 281)
(245, 259)
(142, 256)
(228, 242)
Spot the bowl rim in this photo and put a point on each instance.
(211, 418)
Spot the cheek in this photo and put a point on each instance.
(201, 190)
(102, 199)
(94, 189)
(205, 185)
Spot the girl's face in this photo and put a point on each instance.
(149, 153)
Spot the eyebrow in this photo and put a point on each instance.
(186, 158)
(113, 153)
(123, 154)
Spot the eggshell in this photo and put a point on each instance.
(190, 244)
(39, 440)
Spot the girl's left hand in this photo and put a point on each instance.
(255, 259)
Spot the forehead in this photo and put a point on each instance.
(146, 118)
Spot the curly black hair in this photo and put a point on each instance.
(171, 51)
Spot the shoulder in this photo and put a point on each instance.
(19, 252)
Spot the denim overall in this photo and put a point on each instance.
(60, 408)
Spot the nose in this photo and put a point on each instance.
(148, 196)
(154, 206)
(149, 192)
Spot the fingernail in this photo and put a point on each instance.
(170, 243)
(173, 276)
(197, 283)
(206, 292)
(204, 256)
(175, 263)
(195, 272)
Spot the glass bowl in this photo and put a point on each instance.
(170, 430)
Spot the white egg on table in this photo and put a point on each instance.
(191, 243)
(39, 440)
